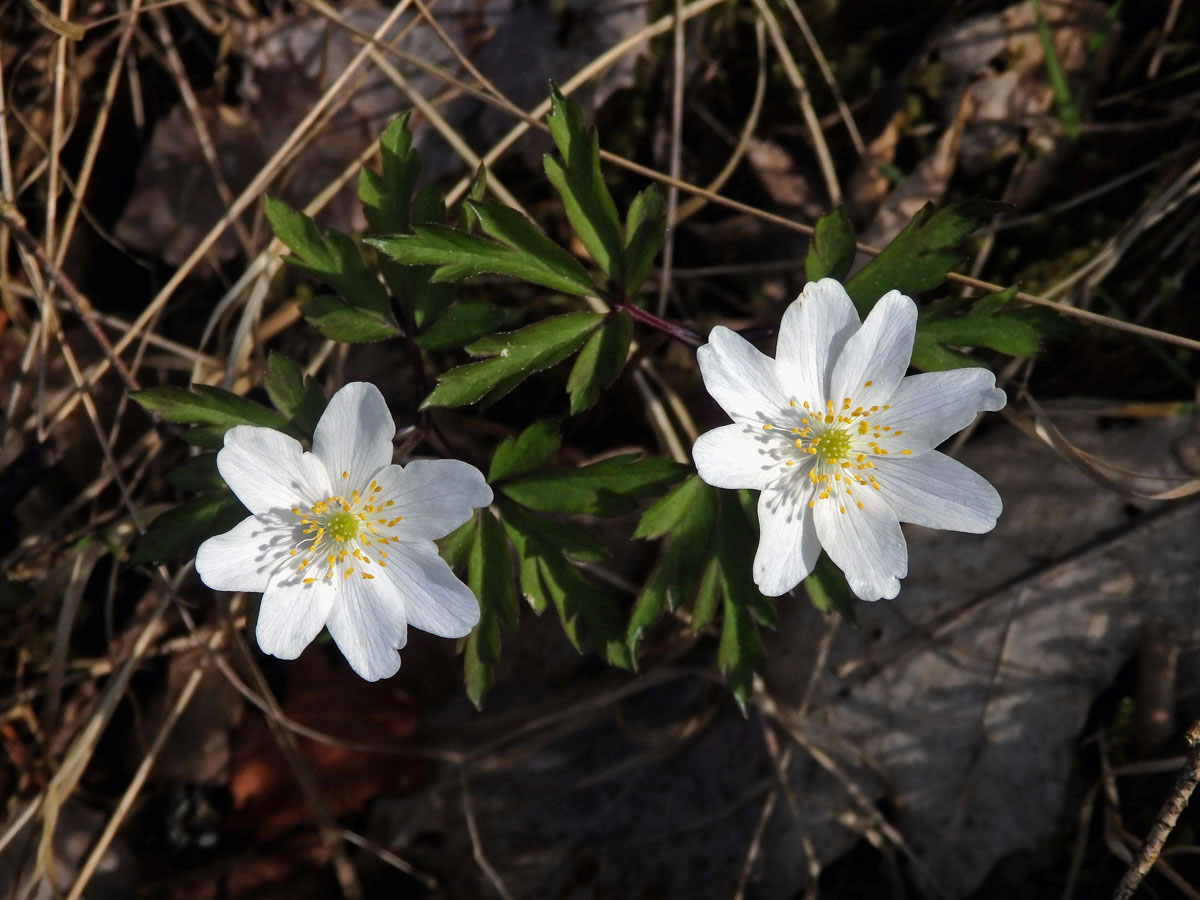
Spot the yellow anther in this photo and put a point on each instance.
(790, 462)
(345, 474)
(766, 428)
(906, 452)
(309, 580)
(868, 384)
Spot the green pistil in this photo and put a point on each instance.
(833, 445)
(342, 526)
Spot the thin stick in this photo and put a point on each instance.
(675, 162)
(476, 845)
(811, 122)
(1175, 803)
(143, 772)
(93, 148)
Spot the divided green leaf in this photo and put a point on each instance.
(490, 577)
(387, 197)
(831, 252)
(339, 320)
(610, 487)
(740, 653)
(588, 614)
(987, 323)
(921, 255)
(600, 361)
(459, 255)
(462, 323)
(296, 395)
(686, 516)
(207, 405)
(335, 259)
(515, 356)
(579, 182)
(527, 452)
(827, 589)
(645, 229)
(179, 531)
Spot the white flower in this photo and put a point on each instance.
(340, 537)
(840, 442)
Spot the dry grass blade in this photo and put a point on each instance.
(64, 781)
(812, 123)
(125, 804)
(1042, 429)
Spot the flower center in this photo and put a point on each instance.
(344, 533)
(342, 526)
(833, 445)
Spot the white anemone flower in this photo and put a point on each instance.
(340, 537)
(840, 442)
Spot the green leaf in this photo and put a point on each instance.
(1017, 332)
(579, 182)
(490, 578)
(516, 356)
(707, 595)
(179, 531)
(832, 250)
(207, 405)
(478, 190)
(339, 320)
(600, 361)
(462, 323)
(527, 452)
(517, 232)
(918, 259)
(332, 257)
(645, 228)
(740, 654)
(387, 197)
(197, 473)
(606, 488)
(455, 548)
(588, 614)
(827, 589)
(675, 508)
(687, 515)
(206, 437)
(568, 537)
(460, 255)
(296, 395)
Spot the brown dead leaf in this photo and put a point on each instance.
(333, 700)
(925, 184)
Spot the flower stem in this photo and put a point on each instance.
(678, 332)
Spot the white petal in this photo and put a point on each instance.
(354, 435)
(814, 330)
(244, 558)
(268, 470)
(938, 492)
(369, 625)
(435, 600)
(931, 406)
(878, 352)
(866, 544)
(434, 496)
(736, 456)
(292, 614)
(787, 546)
(740, 378)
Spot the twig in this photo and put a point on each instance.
(1175, 803)
(476, 845)
(675, 161)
